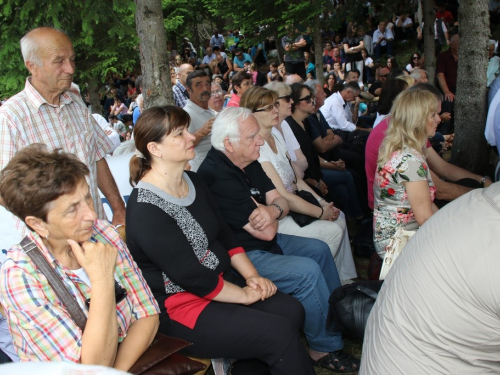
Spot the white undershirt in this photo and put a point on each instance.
(80, 272)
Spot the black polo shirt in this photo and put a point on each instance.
(231, 188)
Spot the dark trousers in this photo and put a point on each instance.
(4, 358)
(378, 49)
(447, 127)
(296, 68)
(266, 330)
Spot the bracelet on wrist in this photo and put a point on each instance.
(483, 180)
(279, 209)
(322, 212)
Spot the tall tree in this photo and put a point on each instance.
(156, 86)
(428, 35)
(470, 150)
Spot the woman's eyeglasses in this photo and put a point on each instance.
(415, 57)
(308, 98)
(268, 108)
(286, 98)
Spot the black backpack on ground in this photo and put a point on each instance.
(350, 306)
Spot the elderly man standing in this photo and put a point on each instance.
(179, 90)
(252, 207)
(46, 112)
(202, 117)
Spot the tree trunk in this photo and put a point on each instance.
(156, 85)
(428, 35)
(95, 101)
(470, 150)
(318, 49)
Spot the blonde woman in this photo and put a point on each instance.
(403, 188)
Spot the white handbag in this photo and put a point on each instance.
(395, 247)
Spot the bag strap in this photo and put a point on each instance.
(367, 291)
(31, 249)
(490, 200)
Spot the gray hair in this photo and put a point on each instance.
(416, 74)
(227, 125)
(29, 49)
(312, 83)
(29, 46)
(281, 88)
(491, 42)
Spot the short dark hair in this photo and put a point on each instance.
(127, 118)
(353, 86)
(297, 91)
(238, 50)
(195, 74)
(239, 77)
(215, 48)
(35, 177)
(354, 71)
(112, 117)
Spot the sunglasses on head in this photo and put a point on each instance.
(286, 98)
(268, 108)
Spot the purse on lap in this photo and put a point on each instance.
(303, 219)
(160, 358)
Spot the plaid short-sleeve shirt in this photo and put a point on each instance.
(28, 118)
(41, 327)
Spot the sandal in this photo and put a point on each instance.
(339, 361)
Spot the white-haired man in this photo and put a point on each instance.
(251, 205)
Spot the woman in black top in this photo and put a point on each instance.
(185, 251)
(353, 44)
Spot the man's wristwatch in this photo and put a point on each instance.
(280, 210)
(483, 180)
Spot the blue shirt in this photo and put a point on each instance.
(240, 63)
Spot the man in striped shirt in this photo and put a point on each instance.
(46, 112)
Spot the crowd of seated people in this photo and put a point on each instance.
(214, 253)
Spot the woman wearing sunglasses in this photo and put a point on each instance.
(415, 62)
(89, 257)
(329, 227)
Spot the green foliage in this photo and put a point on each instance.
(103, 35)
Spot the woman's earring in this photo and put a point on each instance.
(47, 236)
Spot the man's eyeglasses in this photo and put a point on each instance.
(286, 98)
(216, 93)
(268, 108)
(383, 75)
(308, 98)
